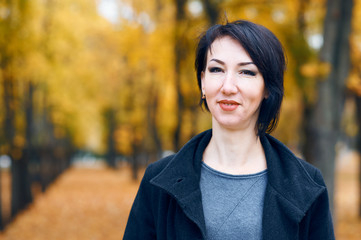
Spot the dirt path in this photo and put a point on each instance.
(348, 223)
(89, 204)
(93, 204)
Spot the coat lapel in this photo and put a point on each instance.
(289, 194)
(180, 178)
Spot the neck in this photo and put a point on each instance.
(235, 151)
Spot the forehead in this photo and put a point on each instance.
(228, 48)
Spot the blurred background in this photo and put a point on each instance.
(92, 91)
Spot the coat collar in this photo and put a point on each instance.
(289, 187)
(290, 191)
(288, 176)
(180, 178)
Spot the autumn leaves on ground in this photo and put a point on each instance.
(94, 203)
(83, 203)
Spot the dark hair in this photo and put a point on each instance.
(267, 54)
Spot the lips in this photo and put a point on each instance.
(228, 105)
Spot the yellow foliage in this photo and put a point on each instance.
(19, 141)
(310, 70)
(354, 83)
(83, 64)
(123, 138)
(319, 70)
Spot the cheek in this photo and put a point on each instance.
(212, 84)
(211, 90)
(256, 93)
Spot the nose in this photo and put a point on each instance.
(229, 87)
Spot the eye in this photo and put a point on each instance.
(248, 73)
(215, 70)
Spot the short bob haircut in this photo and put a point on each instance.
(267, 54)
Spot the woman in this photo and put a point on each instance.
(234, 181)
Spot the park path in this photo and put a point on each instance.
(93, 204)
(347, 197)
(82, 204)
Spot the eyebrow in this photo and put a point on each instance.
(222, 63)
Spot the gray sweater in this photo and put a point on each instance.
(232, 204)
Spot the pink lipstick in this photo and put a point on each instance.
(228, 105)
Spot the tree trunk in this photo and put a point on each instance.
(21, 191)
(179, 53)
(211, 8)
(358, 142)
(152, 119)
(29, 130)
(111, 126)
(21, 187)
(9, 109)
(1, 212)
(8, 127)
(45, 167)
(323, 124)
(135, 159)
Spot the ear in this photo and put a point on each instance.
(266, 93)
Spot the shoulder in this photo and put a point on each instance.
(313, 172)
(295, 179)
(182, 163)
(157, 167)
(147, 192)
(295, 165)
(144, 210)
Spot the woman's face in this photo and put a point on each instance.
(233, 85)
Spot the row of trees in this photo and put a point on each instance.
(72, 80)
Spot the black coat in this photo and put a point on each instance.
(168, 204)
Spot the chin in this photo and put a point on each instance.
(232, 123)
(229, 124)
